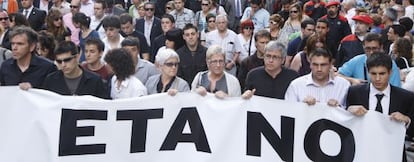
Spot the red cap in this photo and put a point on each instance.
(363, 18)
(331, 3)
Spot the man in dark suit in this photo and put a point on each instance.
(71, 79)
(149, 21)
(380, 95)
(35, 16)
(234, 10)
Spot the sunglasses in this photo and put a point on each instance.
(58, 18)
(73, 6)
(168, 8)
(294, 11)
(66, 60)
(4, 18)
(149, 9)
(171, 64)
(204, 4)
(248, 28)
(212, 21)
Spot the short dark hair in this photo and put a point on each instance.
(24, 30)
(19, 19)
(407, 23)
(210, 15)
(321, 52)
(66, 46)
(398, 29)
(111, 21)
(47, 41)
(82, 19)
(262, 34)
(323, 20)
(379, 58)
(125, 18)
(307, 22)
(103, 2)
(97, 42)
(175, 35)
(121, 62)
(189, 26)
(373, 37)
(130, 41)
(168, 16)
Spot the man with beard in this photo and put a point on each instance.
(351, 45)
(338, 26)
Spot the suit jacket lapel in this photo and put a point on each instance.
(393, 101)
(365, 94)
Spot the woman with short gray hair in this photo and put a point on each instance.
(167, 60)
(215, 79)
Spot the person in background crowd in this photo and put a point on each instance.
(34, 15)
(174, 39)
(182, 15)
(62, 5)
(300, 62)
(409, 8)
(128, 30)
(96, 20)
(388, 19)
(319, 85)
(133, 9)
(200, 16)
(87, 7)
(167, 23)
(18, 19)
(192, 55)
(276, 23)
(55, 25)
(82, 22)
(284, 12)
(143, 68)
(167, 61)
(407, 23)
(257, 14)
(4, 55)
(355, 70)
(351, 45)
(46, 45)
(376, 26)
(272, 79)
(25, 61)
(67, 19)
(112, 26)
(141, 10)
(381, 96)
(246, 39)
(396, 31)
(93, 55)
(232, 8)
(338, 27)
(149, 25)
(12, 6)
(211, 25)
(400, 10)
(349, 11)
(315, 9)
(169, 7)
(123, 83)
(261, 38)
(71, 79)
(292, 24)
(307, 28)
(227, 39)
(216, 80)
(5, 25)
(403, 54)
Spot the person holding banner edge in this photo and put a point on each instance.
(380, 95)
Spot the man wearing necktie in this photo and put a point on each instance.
(380, 95)
(35, 16)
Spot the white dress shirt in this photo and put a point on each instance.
(385, 102)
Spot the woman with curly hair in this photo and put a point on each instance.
(123, 84)
(81, 21)
(300, 62)
(46, 45)
(55, 26)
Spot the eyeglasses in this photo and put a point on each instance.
(204, 4)
(4, 18)
(66, 60)
(211, 21)
(58, 18)
(368, 49)
(168, 8)
(294, 11)
(73, 6)
(171, 64)
(248, 28)
(216, 62)
(149, 9)
(272, 57)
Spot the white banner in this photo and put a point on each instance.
(40, 126)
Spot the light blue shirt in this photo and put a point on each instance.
(355, 68)
(260, 18)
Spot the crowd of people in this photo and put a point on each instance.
(354, 54)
